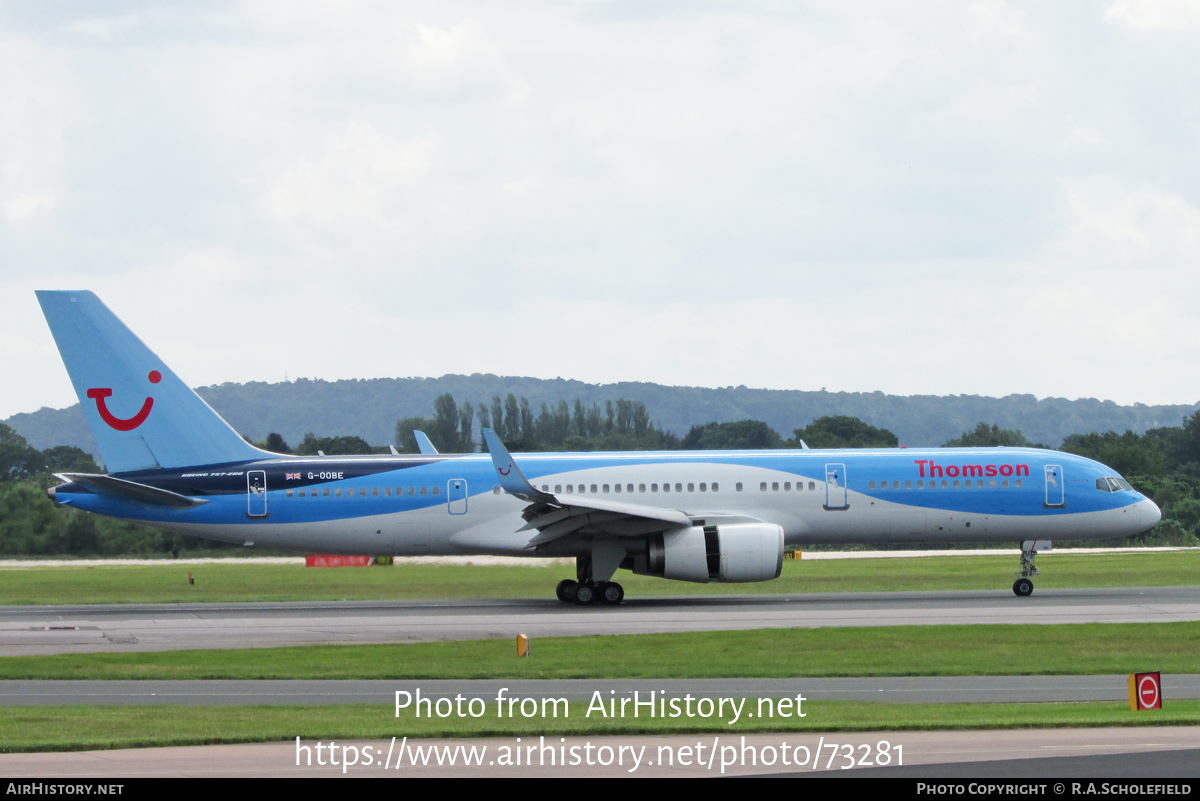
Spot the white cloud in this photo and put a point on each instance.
(1116, 225)
(997, 18)
(1155, 15)
(359, 181)
(805, 195)
(21, 207)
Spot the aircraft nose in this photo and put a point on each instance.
(1149, 514)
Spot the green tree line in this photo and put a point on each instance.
(31, 524)
(1163, 463)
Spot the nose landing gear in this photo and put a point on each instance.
(1023, 586)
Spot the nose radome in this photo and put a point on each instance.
(1150, 512)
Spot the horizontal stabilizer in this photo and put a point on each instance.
(131, 490)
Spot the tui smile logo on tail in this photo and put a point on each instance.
(99, 394)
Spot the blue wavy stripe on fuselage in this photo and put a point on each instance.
(861, 467)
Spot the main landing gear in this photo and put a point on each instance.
(588, 592)
(1023, 586)
(586, 589)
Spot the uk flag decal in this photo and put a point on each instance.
(292, 476)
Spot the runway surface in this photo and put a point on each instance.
(906, 689)
(164, 627)
(1123, 751)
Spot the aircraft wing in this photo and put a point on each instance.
(554, 516)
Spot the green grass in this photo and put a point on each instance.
(159, 583)
(1088, 648)
(76, 728)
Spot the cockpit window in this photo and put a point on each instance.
(1112, 484)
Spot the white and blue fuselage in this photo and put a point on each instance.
(689, 515)
(453, 504)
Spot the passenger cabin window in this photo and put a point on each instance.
(629, 488)
(703, 487)
(775, 486)
(641, 487)
(871, 485)
(762, 487)
(738, 486)
(496, 490)
(812, 485)
(558, 487)
(787, 485)
(289, 493)
(679, 488)
(691, 487)
(716, 486)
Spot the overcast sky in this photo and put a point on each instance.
(914, 197)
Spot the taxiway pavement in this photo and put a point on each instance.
(163, 627)
(1124, 751)
(902, 689)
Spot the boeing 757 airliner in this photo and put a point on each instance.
(700, 516)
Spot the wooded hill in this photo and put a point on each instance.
(370, 409)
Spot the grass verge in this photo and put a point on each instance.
(1083, 648)
(166, 583)
(79, 728)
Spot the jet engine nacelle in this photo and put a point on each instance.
(733, 553)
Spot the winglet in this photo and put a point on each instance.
(392, 450)
(423, 443)
(507, 473)
(804, 446)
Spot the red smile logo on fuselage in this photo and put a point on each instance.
(100, 393)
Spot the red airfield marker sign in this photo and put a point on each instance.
(1145, 691)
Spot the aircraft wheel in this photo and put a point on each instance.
(585, 594)
(1023, 587)
(612, 593)
(565, 590)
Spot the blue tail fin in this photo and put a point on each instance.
(140, 413)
